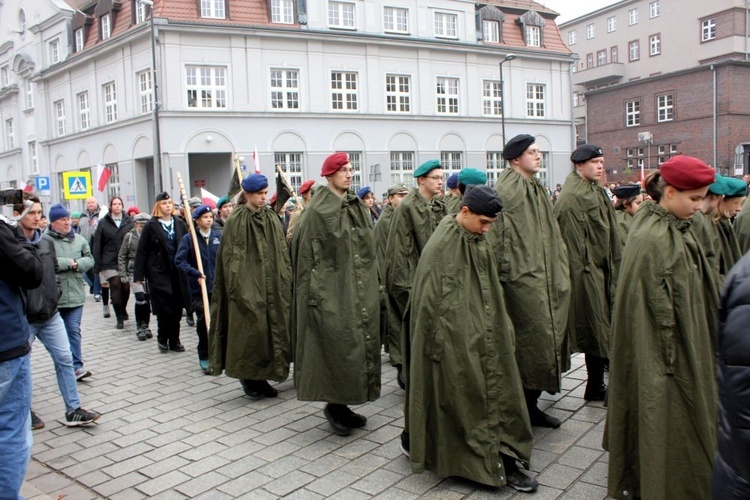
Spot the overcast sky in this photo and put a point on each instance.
(570, 9)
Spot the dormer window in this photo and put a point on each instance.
(491, 31)
(282, 11)
(78, 40)
(532, 25)
(213, 9)
(106, 26)
(533, 36)
(489, 24)
(80, 26)
(141, 11)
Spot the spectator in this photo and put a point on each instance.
(87, 228)
(126, 265)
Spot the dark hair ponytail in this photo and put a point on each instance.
(654, 185)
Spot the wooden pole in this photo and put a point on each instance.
(196, 250)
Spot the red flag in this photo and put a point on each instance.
(102, 173)
(256, 160)
(208, 198)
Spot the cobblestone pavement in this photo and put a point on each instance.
(169, 431)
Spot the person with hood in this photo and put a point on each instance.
(107, 242)
(154, 263)
(251, 300)
(661, 417)
(629, 199)
(126, 266)
(208, 246)
(532, 265)
(589, 227)
(467, 415)
(336, 301)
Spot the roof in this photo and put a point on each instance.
(521, 5)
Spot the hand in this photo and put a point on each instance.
(202, 279)
(124, 279)
(73, 264)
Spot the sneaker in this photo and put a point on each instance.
(79, 417)
(404, 445)
(106, 311)
(337, 423)
(148, 332)
(204, 365)
(141, 334)
(521, 482)
(36, 422)
(162, 346)
(177, 347)
(97, 297)
(119, 324)
(82, 373)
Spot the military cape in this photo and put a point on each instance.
(742, 228)
(466, 402)
(250, 301)
(661, 418)
(729, 248)
(382, 227)
(533, 268)
(589, 228)
(336, 304)
(452, 203)
(624, 221)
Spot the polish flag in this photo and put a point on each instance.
(208, 198)
(102, 174)
(256, 160)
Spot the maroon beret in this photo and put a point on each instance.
(333, 163)
(687, 173)
(305, 187)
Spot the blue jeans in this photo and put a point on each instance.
(15, 424)
(72, 318)
(55, 339)
(92, 280)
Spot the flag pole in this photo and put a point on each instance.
(196, 250)
(294, 191)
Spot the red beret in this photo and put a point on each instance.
(305, 187)
(687, 173)
(333, 163)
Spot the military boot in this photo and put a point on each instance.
(596, 390)
(141, 333)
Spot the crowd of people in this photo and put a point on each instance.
(479, 295)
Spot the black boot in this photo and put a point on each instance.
(595, 388)
(141, 333)
(537, 417)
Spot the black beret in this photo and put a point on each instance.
(585, 152)
(482, 200)
(516, 146)
(163, 196)
(627, 191)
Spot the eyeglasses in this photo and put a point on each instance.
(435, 177)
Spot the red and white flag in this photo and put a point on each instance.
(102, 174)
(208, 198)
(256, 160)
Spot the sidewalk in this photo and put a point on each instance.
(169, 431)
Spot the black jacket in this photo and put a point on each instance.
(41, 302)
(108, 240)
(732, 465)
(154, 263)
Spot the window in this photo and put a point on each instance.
(589, 61)
(534, 100)
(113, 184)
(640, 151)
(60, 117)
(601, 58)
(344, 90)
(576, 101)
(145, 91)
(632, 113)
(492, 103)
(84, 120)
(398, 93)
(402, 167)
(355, 158)
(79, 40)
(395, 20)
(213, 9)
(632, 17)
(613, 55)
(105, 24)
(10, 133)
(447, 95)
(661, 149)
(291, 165)
(284, 89)
(654, 43)
(110, 103)
(451, 160)
(54, 52)
(533, 36)
(491, 31)
(543, 174)
(495, 166)
(665, 107)
(708, 30)
(5, 76)
(590, 31)
(611, 24)
(673, 149)
(282, 11)
(446, 25)
(572, 37)
(141, 11)
(206, 87)
(341, 15)
(29, 94)
(654, 9)
(33, 158)
(634, 49)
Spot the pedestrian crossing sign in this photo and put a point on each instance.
(77, 185)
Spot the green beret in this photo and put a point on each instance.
(472, 177)
(221, 202)
(427, 167)
(75, 215)
(718, 187)
(734, 187)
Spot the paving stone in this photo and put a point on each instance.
(164, 466)
(204, 466)
(556, 442)
(597, 475)
(47, 483)
(558, 476)
(289, 483)
(134, 450)
(275, 436)
(279, 450)
(244, 483)
(324, 465)
(331, 483)
(129, 465)
(241, 466)
(109, 488)
(204, 450)
(377, 481)
(592, 439)
(283, 466)
(584, 491)
(317, 449)
(579, 457)
(163, 482)
(82, 468)
(93, 478)
(419, 483)
(355, 449)
(167, 451)
(201, 484)
(349, 494)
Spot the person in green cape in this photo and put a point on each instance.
(532, 262)
(589, 228)
(466, 404)
(661, 420)
(742, 228)
(336, 305)
(452, 198)
(629, 199)
(729, 206)
(250, 303)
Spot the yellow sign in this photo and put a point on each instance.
(77, 185)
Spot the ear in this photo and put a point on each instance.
(670, 192)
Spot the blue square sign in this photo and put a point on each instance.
(42, 183)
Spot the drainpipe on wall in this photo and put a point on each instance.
(713, 69)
